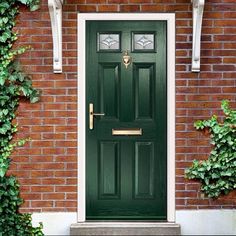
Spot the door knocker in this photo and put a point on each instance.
(126, 59)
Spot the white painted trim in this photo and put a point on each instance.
(171, 119)
(193, 222)
(55, 11)
(198, 8)
(81, 121)
(55, 223)
(207, 221)
(170, 18)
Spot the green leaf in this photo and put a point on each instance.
(23, 1)
(34, 99)
(34, 7)
(5, 111)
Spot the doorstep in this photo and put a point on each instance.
(124, 228)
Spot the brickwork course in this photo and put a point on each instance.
(47, 166)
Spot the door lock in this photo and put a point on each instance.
(92, 114)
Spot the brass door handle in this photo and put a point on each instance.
(92, 114)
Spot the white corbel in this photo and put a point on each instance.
(198, 8)
(55, 11)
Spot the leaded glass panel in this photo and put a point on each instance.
(108, 41)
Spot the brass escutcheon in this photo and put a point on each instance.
(126, 59)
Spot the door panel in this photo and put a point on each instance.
(109, 170)
(144, 170)
(143, 77)
(126, 175)
(109, 92)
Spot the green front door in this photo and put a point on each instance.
(126, 147)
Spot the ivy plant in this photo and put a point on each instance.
(217, 174)
(14, 85)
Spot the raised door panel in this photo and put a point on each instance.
(109, 170)
(144, 170)
(144, 76)
(109, 91)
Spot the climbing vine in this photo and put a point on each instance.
(217, 174)
(14, 85)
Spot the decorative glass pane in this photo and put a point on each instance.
(109, 42)
(143, 41)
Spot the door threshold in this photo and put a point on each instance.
(125, 228)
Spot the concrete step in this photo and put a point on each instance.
(124, 228)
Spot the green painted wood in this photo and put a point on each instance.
(126, 176)
(144, 170)
(143, 78)
(109, 170)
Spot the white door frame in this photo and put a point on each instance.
(170, 18)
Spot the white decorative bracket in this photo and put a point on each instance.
(55, 10)
(198, 8)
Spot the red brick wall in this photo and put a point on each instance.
(46, 166)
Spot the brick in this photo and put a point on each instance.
(229, 90)
(107, 8)
(40, 174)
(178, 7)
(229, 30)
(42, 189)
(42, 143)
(129, 8)
(186, 194)
(225, 23)
(41, 159)
(208, 30)
(41, 203)
(95, 1)
(86, 8)
(53, 181)
(71, 196)
(66, 188)
(53, 151)
(169, 1)
(71, 8)
(30, 166)
(68, 173)
(31, 196)
(66, 143)
(224, 67)
(27, 210)
(42, 129)
(213, 45)
(75, 2)
(229, 60)
(52, 166)
(72, 181)
(25, 204)
(197, 202)
(152, 8)
(214, 15)
(118, 1)
(225, 37)
(54, 121)
(53, 136)
(66, 158)
(66, 204)
(54, 196)
(30, 181)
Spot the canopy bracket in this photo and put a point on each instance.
(198, 8)
(55, 11)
